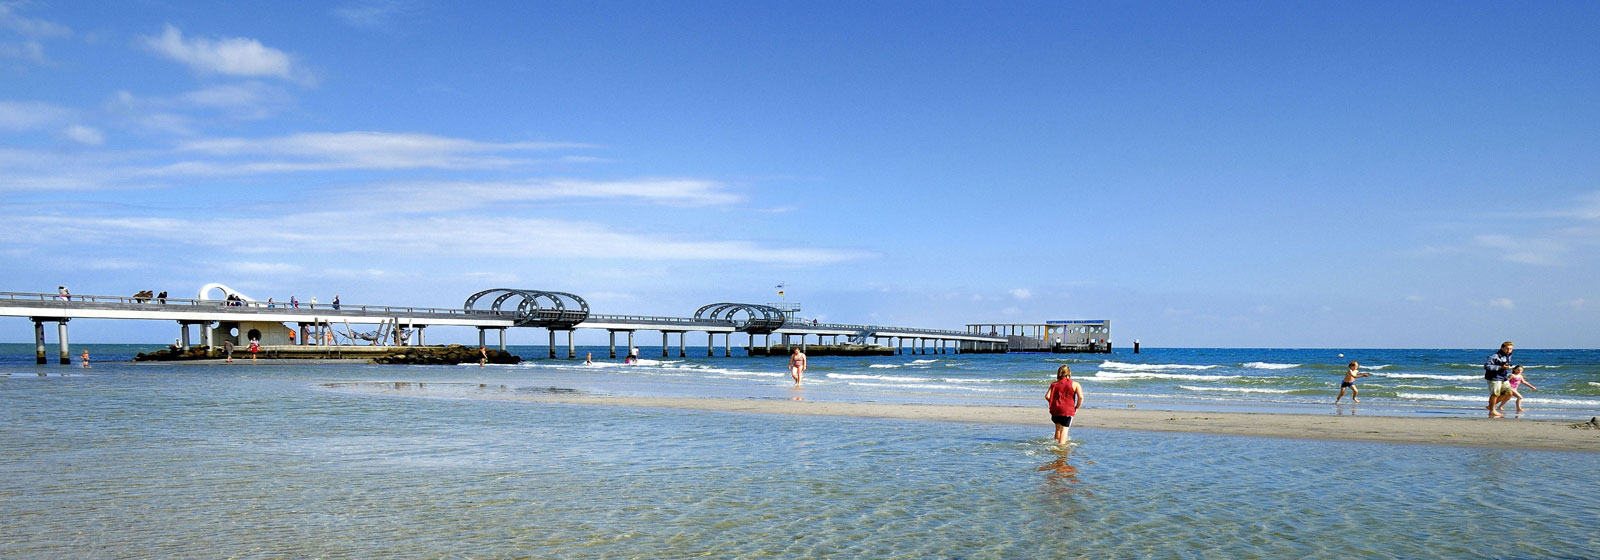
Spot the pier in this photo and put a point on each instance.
(240, 319)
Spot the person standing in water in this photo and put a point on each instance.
(1350, 376)
(1064, 396)
(797, 365)
(86, 366)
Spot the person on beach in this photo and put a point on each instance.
(1516, 381)
(227, 350)
(1350, 376)
(797, 365)
(86, 365)
(1064, 396)
(483, 356)
(633, 356)
(1496, 371)
(255, 346)
(588, 359)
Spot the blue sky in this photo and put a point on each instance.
(1239, 174)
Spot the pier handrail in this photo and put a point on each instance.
(66, 301)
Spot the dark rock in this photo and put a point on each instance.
(445, 355)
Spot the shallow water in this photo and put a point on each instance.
(268, 460)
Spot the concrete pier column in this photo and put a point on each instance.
(664, 344)
(711, 344)
(61, 333)
(802, 342)
(630, 344)
(206, 335)
(552, 344)
(613, 336)
(683, 344)
(502, 339)
(727, 345)
(572, 351)
(483, 336)
(38, 339)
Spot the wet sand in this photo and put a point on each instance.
(1560, 435)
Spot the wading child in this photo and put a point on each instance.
(1064, 396)
(1516, 380)
(1350, 376)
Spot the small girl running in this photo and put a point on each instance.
(1516, 380)
(1064, 396)
(1350, 376)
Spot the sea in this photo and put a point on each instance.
(353, 460)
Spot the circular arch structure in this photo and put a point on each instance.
(205, 292)
(746, 317)
(535, 308)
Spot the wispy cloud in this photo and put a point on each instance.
(1502, 303)
(379, 14)
(233, 56)
(17, 116)
(31, 51)
(85, 135)
(335, 151)
(30, 27)
(1021, 293)
(422, 238)
(458, 195)
(1543, 251)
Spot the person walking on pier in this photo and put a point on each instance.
(336, 302)
(161, 298)
(255, 346)
(313, 302)
(295, 303)
(62, 293)
(1064, 396)
(797, 365)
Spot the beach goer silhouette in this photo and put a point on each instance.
(1350, 376)
(1496, 370)
(255, 346)
(85, 359)
(1064, 396)
(227, 350)
(483, 356)
(589, 359)
(797, 365)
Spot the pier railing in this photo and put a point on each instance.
(152, 303)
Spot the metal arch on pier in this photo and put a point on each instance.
(537, 308)
(757, 319)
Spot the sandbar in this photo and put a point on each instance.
(1513, 433)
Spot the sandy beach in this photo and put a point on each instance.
(1474, 432)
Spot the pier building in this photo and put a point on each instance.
(292, 328)
(1061, 337)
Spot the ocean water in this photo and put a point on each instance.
(275, 460)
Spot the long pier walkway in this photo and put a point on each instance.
(241, 319)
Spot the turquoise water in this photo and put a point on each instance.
(280, 460)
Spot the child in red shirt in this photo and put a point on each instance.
(1064, 396)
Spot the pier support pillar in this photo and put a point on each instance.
(552, 344)
(61, 334)
(206, 336)
(613, 336)
(802, 342)
(502, 339)
(683, 344)
(630, 343)
(483, 336)
(664, 343)
(727, 345)
(38, 339)
(572, 351)
(711, 344)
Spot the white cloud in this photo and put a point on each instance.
(30, 51)
(87, 136)
(236, 56)
(458, 195)
(1414, 298)
(421, 238)
(247, 101)
(1527, 251)
(333, 151)
(17, 116)
(30, 27)
(260, 268)
(375, 13)
(1021, 293)
(1576, 303)
(1503, 303)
